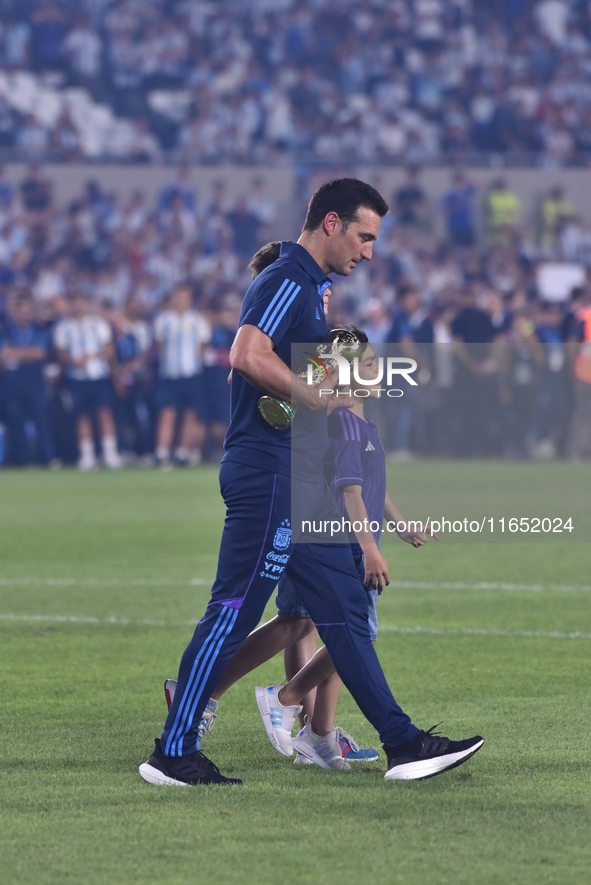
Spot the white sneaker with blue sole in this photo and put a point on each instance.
(277, 719)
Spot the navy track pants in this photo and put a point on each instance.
(255, 549)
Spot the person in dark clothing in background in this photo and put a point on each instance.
(23, 352)
(476, 402)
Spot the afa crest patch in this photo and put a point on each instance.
(282, 538)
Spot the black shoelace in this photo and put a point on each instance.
(208, 763)
(433, 742)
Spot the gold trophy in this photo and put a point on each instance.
(278, 413)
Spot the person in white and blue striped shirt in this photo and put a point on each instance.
(84, 345)
(181, 334)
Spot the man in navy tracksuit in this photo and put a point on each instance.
(283, 306)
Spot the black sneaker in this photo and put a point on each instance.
(428, 754)
(182, 771)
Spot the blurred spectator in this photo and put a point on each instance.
(33, 139)
(23, 353)
(83, 48)
(474, 371)
(411, 323)
(6, 192)
(410, 327)
(84, 346)
(570, 327)
(578, 443)
(459, 208)
(502, 209)
(420, 82)
(182, 188)
(260, 204)
(65, 141)
(375, 320)
(410, 201)
(556, 210)
(36, 191)
(498, 311)
(445, 430)
(131, 378)
(552, 16)
(181, 335)
(550, 426)
(518, 383)
(126, 254)
(10, 123)
(574, 241)
(49, 29)
(16, 40)
(223, 316)
(245, 228)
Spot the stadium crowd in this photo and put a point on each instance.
(238, 82)
(117, 315)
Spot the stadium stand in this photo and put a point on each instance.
(458, 92)
(126, 253)
(240, 82)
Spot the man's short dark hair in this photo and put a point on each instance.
(264, 257)
(406, 290)
(343, 196)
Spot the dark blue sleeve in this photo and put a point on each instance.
(272, 304)
(424, 334)
(345, 449)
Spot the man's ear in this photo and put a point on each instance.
(331, 224)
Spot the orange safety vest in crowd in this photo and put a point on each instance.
(582, 367)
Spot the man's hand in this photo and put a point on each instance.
(376, 567)
(312, 397)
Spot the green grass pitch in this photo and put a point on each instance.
(100, 576)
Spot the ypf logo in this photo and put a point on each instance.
(282, 538)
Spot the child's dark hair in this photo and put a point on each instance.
(359, 334)
(264, 257)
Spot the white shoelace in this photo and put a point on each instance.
(208, 720)
(343, 734)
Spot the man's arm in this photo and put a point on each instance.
(417, 535)
(376, 565)
(21, 355)
(253, 356)
(69, 362)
